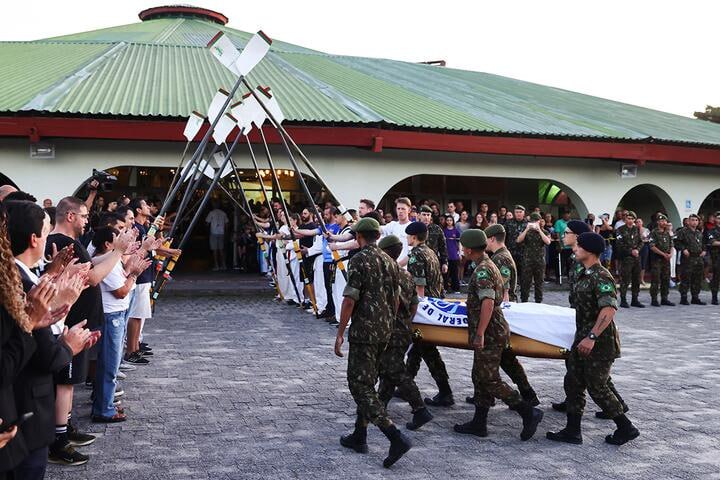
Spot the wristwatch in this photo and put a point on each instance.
(592, 336)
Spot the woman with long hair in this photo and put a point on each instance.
(479, 221)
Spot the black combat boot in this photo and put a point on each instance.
(571, 433)
(356, 440)
(683, 300)
(560, 407)
(697, 301)
(714, 300)
(636, 303)
(625, 432)
(477, 426)
(530, 397)
(444, 398)
(399, 445)
(623, 303)
(654, 302)
(531, 418)
(666, 302)
(420, 418)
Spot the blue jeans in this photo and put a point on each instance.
(110, 351)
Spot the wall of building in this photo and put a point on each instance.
(593, 185)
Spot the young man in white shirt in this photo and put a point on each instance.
(397, 227)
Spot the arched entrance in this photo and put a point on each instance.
(646, 200)
(711, 204)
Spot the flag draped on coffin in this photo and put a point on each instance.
(546, 323)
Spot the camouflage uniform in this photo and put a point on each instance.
(436, 242)
(486, 282)
(373, 282)
(594, 290)
(513, 229)
(714, 236)
(575, 268)
(533, 266)
(392, 363)
(660, 267)
(692, 266)
(424, 267)
(627, 239)
(508, 271)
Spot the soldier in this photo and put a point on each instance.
(424, 267)
(595, 348)
(534, 241)
(508, 362)
(513, 228)
(661, 244)
(628, 243)
(393, 372)
(435, 238)
(371, 297)
(713, 243)
(690, 243)
(489, 335)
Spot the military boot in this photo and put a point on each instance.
(399, 445)
(697, 301)
(623, 303)
(477, 426)
(531, 418)
(666, 302)
(571, 433)
(625, 432)
(559, 407)
(684, 300)
(636, 303)
(444, 398)
(420, 418)
(714, 300)
(356, 441)
(655, 302)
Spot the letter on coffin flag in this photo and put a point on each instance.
(225, 125)
(240, 63)
(193, 125)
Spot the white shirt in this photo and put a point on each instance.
(217, 220)
(456, 216)
(115, 279)
(398, 229)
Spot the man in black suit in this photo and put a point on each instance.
(28, 227)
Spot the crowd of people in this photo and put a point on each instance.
(74, 300)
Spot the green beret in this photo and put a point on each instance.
(389, 241)
(425, 209)
(518, 207)
(661, 216)
(631, 214)
(473, 238)
(535, 216)
(493, 230)
(366, 224)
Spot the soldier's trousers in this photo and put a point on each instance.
(715, 269)
(431, 355)
(660, 271)
(692, 275)
(393, 373)
(593, 375)
(486, 379)
(533, 273)
(362, 373)
(630, 271)
(512, 367)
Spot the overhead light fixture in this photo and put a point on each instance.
(42, 150)
(628, 171)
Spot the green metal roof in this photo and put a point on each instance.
(161, 68)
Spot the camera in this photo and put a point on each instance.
(104, 179)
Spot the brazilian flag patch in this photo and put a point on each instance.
(505, 271)
(412, 260)
(606, 287)
(482, 274)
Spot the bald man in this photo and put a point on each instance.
(6, 190)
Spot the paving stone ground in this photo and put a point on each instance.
(242, 387)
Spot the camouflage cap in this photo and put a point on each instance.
(717, 214)
(425, 209)
(493, 230)
(661, 216)
(518, 207)
(631, 214)
(389, 241)
(473, 238)
(535, 216)
(366, 224)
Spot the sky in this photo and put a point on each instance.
(658, 54)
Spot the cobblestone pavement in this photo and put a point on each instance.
(242, 387)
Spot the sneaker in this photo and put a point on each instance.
(136, 358)
(121, 376)
(67, 455)
(127, 367)
(79, 439)
(146, 353)
(119, 392)
(145, 348)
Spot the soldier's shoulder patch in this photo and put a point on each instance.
(482, 273)
(412, 259)
(505, 270)
(606, 287)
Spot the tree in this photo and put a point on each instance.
(711, 114)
